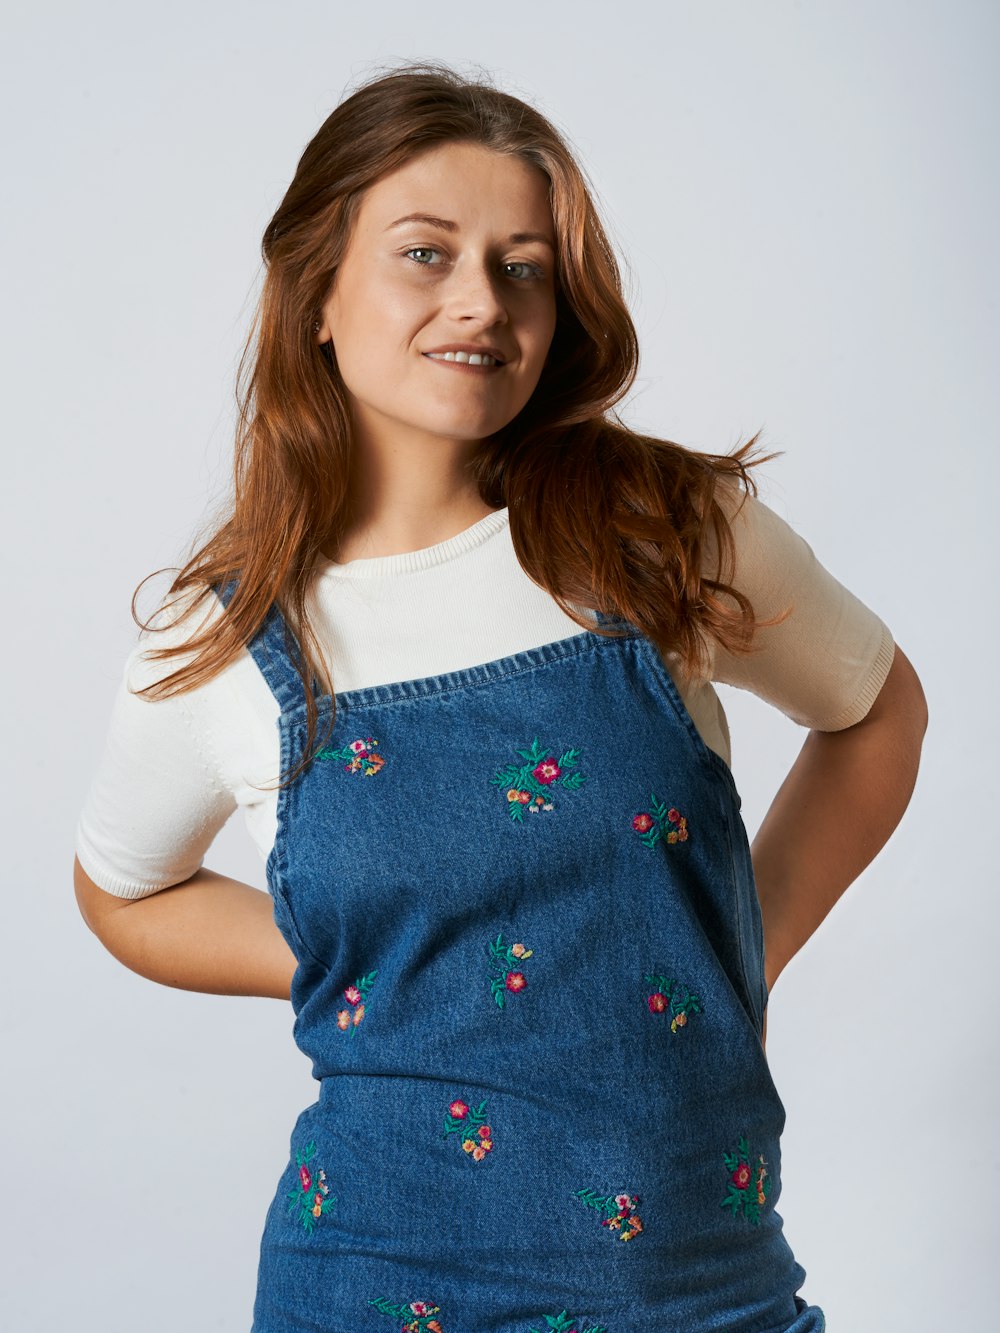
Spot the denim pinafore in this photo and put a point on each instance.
(530, 982)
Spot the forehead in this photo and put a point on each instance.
(473, 186)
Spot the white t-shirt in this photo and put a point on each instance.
(174, 770)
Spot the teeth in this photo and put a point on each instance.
(471, 358)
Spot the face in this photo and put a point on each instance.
(475, 271)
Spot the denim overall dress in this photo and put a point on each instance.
(530, 982)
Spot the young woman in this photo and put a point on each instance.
(452, 652)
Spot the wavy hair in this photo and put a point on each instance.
(601, 516)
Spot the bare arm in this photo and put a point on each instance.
(209, 934)
(843, 797)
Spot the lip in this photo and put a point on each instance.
(474, 349)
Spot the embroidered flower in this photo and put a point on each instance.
(313, 1198)
(506, 978)
(531, 784)
(348, 1019)
(619, 1210)
(423, 1310)
(673, 997)
(745, 1193)
(360, 756)
(562, 1323)
(670, 824)
(471, 1124)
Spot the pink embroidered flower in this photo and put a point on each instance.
(359, 747)
(741, 1176)
(516, 981)
(420, 1307)
(624, 1201)
(478, 1154)
(547, 771)
(352, 994)
(485, 1132)
(459, 1110)
(524, 797)
(657, 1003)
(642, 822)
(518, 950)
(305, 1177)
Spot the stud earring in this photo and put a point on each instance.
(315, 326)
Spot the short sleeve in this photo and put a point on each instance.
(156, 801)
(824, 664)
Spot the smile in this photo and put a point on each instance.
(467, 360)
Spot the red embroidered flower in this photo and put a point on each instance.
(547, 771)
(305, 1177)
(352, 994)
(485, 1132)
(516, 981)
(657, 1003)
(673, 815)
(459, 1110)
(741, 1176)
(642, 822)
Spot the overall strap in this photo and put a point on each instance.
(275, 651)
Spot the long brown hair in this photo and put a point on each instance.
(600, 515)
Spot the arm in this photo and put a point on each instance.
(208, 933)
(843, 797)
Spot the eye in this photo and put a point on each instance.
(421, 250)
(533, 271)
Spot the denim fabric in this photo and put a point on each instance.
(537, 1033)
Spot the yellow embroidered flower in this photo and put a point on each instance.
(468, 1144)
(343, 1020)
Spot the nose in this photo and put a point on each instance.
(475, 292)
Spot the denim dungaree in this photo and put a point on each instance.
(530, 982)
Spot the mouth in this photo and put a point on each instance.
(474, 362)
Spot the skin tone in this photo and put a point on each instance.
(406, 288)
(402, 291)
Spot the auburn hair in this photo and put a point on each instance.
(600, 515)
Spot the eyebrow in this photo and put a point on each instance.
(428, 220)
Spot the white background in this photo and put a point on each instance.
(806, 195)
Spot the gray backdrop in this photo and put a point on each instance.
(806, 195)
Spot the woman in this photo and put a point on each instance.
(453, 650)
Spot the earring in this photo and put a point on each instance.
(315, 326)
